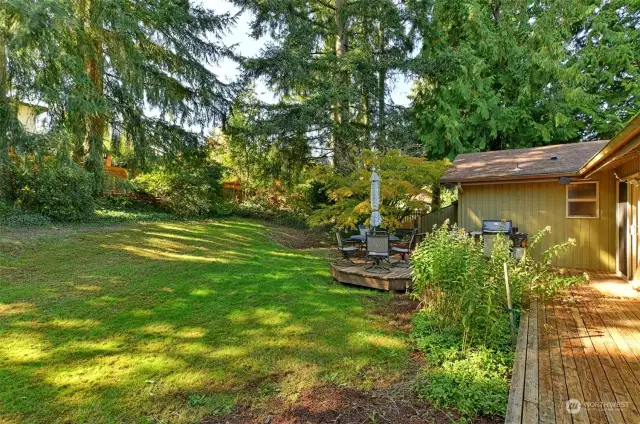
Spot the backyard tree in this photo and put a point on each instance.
(605, 57)
(253, 153)
(331, 63)
(407, 185)
(505, 74)
(138, 68)
(17, 73)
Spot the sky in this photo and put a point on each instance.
(247, 46)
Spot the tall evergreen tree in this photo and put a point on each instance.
(605, 58)
(504, 74)
(139, 68)
(330, 62)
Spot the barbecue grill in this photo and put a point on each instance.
(491, 227)
(496, 226)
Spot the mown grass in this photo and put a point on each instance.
(176, 322)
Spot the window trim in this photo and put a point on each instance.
(596, 199)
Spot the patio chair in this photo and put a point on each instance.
(403, 248)
(346, 250)
(363, 230)
(377, 250)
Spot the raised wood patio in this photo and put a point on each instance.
(583, 347)
(397, 279)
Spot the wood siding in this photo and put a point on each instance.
(533, 206)
(630, 167)
(629, 164)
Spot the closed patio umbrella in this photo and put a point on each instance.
(376, 219)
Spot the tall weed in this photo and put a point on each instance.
(467, 291)
(463, 327)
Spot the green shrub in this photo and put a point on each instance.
(185, 191)
(472, 380)
(18, 218)
(277, 216)
(467, 291)
(464, 328)
(5, 208)
(59, 190)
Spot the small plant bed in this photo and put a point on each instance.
(464, 326)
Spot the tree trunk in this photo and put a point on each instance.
(96, 122)
(5, 118)
(94, 142)
(367, 116)
(495, 10)
(382, 79)
(341, 156)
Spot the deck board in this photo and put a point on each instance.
(516, 392)
(546, 411)
(584, 345)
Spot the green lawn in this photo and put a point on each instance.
(174, 322)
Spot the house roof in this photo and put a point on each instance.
(624, 142)
(523, 163)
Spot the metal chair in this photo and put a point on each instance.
(363, 230)
(377, 250)
(403, 248)
(346, 250)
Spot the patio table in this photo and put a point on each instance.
(361, 238)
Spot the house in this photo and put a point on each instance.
(587, 191)
(32, 117)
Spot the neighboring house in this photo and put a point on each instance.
(35, 120)
(587, 191)
(33, 117)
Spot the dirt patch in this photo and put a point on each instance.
(398, 310)
(297, 238)
(331, 405)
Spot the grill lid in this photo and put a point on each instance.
(496, 226)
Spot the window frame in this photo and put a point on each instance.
(594, 199)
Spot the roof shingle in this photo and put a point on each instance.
(518, 163)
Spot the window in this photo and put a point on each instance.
(583, 200)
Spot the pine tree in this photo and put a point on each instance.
(139, 68)
(506, 74)
(330, 62)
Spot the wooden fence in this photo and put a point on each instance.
(439, 217)
(424, 222)
(427, 221)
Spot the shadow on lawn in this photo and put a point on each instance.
(177, 322)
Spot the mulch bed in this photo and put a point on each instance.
(329, 404)
(297, 238)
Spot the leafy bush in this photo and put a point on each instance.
(278, 216)
(407, 185)
(467, 291)
(185, 191)
(464, 327)
(60, 190)
(130, 207)
(473, 381)
(12, 217)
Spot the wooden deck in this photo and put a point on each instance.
(398, 279)
(583, 348)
